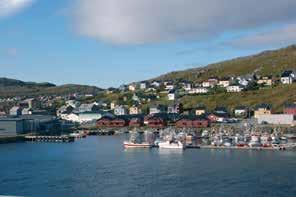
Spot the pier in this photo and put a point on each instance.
(49, 138)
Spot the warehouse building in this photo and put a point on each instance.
(279, 119)
(11, 126)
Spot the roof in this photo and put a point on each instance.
(240, 107)
(263, 105)
(287, 73)
(290, 105)
(193, 117)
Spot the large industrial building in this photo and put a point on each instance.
(277, 119)
(15, 125)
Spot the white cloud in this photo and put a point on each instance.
(281, 36)
(149, 21)
(10, 7)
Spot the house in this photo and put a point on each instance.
(276, 119)
(155, 84)
(132, 87)
(243, 81)
(65, 109)
(134, 110)
(72, 103)
(192, 122)
(262, 109)
(234, 88)
(224, 83)
(288, 77)
(186, 86)
(15, 111)
(143, 85)
(214, 117)
(290, 109)
(266, 81)
(156, 121)
(241, 111)
(156, 109)
(200, 110)
(172, 95)
(176, 108)
(136, 122)
(112, 105)
(120, 110)
(104, 121)
(119, 122)
(198, 90)
(169, 86)
(135, 98)
(212, 82)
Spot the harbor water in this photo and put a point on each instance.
(100, 166)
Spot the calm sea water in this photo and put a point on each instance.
(99, 166)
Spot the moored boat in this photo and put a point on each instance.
(136, 145)
(171, 145)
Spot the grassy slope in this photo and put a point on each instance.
(265, 63)
(276, 96)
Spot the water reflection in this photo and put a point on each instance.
(166, 152)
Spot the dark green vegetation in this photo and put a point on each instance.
(12, 87)
(265, 63)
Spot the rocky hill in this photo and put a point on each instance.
(13, 87)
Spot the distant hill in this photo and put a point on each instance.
(272, 62)
(13, 87)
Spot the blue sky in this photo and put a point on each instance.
(111, 42)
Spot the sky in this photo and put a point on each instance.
(112, 42)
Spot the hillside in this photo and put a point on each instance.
(269, 62)
(277, 96)
(13, 87)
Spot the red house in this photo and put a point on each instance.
(192, 122)
(104, 122)
(118, 122)
(290, 109)
(156, 122)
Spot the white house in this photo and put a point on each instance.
(224, 83)
(169, 86)
(172, 95)
(287, 77)
(199, 90)
(234, 88)
(132, 87)
(120, 110)
(143, 85)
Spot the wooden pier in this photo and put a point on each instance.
(64, 138)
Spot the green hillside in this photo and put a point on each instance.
(265, 63)
(277, 97)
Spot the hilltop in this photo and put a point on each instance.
(272, 62)
(13, 87)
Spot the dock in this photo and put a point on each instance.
(240, 148)
(64, 138)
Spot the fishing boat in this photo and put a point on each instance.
(135, 142)
(255, 141)
(171, 145)
(128, 144)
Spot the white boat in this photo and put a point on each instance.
(171, 145)
(136, 145)
(255, 141)
(205, 134)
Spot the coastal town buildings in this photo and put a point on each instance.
(262, 109)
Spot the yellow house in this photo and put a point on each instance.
(200, 111)
(262, 109)
(265, 81)
(134, 110)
